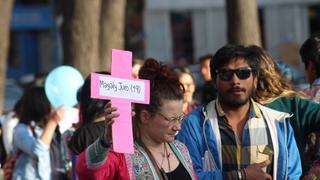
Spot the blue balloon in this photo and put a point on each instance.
(61, 86)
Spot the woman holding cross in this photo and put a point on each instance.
(157, 155)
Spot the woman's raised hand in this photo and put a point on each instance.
(110, 114)
(58, 115)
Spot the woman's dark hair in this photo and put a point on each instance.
(35, 106)
(228, 53)
(90, 109)
(164, 85)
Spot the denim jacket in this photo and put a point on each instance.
(34, 161)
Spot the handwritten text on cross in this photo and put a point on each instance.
(121, 88)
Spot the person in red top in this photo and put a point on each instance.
(157, 155)
(187, 80)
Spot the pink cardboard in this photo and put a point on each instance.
(122, 127)
(95, 86)
(121, 67)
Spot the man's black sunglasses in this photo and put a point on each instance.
(242, 73)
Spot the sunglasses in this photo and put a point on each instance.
(242, 73)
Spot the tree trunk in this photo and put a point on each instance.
(243, 23)
(111, 30)
(80, 33)
(5, 17)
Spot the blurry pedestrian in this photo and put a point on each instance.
(310, 55)
(33, 135)
(92, 122)
(9, 122)
(91, 118)
(186, 79)
(276, 92)
(207, 91)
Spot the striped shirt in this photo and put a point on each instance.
(255, 145)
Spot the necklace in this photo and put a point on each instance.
(165, 155)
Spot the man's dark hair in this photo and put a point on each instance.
(228, 53)
(310, 52)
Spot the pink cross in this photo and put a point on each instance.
(122, 90)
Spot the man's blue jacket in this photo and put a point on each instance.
(200, 133)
